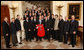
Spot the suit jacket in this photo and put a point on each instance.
(35, 23)
(5, 28)
(60, 24)
(66, 26)
(52, 23)
(18, 25)
(25, 24)
(47, 24)
(13, 28)
(43, 21)
(25, 17)
(73, 26)
(31, 25)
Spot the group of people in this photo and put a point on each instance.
(36, 16)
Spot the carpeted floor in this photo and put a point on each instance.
(44, 44)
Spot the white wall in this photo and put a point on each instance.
(64, 9)
(17, 11)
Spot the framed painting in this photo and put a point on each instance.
(74, 9)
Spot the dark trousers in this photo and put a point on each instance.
(53, 34)
(48, 35)
(73, 39)
(45, 37)
(61, 36)
(26, 34)
(38, 38)
(7, 40)
(29, 35)
(14, 39)
(33, 34)
(56, 34)
(65, 38)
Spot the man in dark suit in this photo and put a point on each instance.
(26, 22)
(35, 30)
(47, 27)
(60, 26)
(73, 30)
(52, 26)
(18, 28)
(25, 16)
(32, 28)
(26, 10)
(29, 16)
(66, 29)
(42, 19)
(39, 22)
(13, 31)
(6, 32)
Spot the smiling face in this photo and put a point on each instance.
(66, 18)
(13, 19)
(40, 18)
(31, 18)
(26, 18)
(72, 17)
(6, 19)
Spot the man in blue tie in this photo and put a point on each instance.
(73, 30)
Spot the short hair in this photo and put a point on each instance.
(60, 15)
(73, 15)
(5, 17)
(18, 15)
(56, 15)
(26, 17)
(13, 18)
(26, 7)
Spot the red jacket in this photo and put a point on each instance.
(41, 31)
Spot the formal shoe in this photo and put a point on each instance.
(65, 43)
(36, 40)
(20, 43)
(49, 40)
(26, 40)
(40, 40)
(73, 46)
(15, 45)
(8, 47)
(69, 44)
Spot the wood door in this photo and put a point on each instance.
(4, 13)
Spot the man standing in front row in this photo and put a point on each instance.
(26, 22)
(66, 29)
(6, 32)
(60, 26)
(18, 29)
(73, 30)
(13, 31)
(47, 27)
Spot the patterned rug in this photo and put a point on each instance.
(44, 44)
